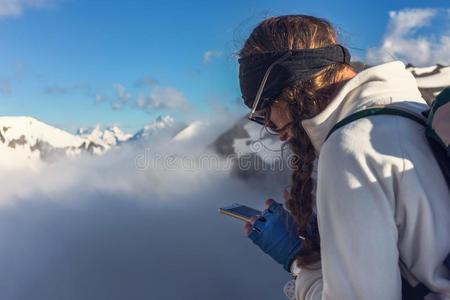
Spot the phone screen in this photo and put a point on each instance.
(239, 211)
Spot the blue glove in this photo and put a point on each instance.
(276, 234)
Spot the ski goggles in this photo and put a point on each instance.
(260, 116)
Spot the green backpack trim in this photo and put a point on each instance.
(441, 99)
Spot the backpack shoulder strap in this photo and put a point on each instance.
(397, 111)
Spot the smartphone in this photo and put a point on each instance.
(240, 211)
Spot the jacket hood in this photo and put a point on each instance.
(380, 85)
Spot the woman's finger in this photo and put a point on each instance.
(253, 219)
(249, 225)
(247, 228)
(267, 203)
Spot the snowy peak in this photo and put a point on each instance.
(26, 141)
(431, 80)
(162, 123)
(119, 135)
(166, 129)
(108, 137)
(189, 131)
(31, 130)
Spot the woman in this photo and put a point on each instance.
(382, 206)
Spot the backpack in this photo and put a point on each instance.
(437, 130)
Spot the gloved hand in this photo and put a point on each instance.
(276, 233)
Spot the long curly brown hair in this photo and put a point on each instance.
(305, 100)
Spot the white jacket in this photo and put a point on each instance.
(383, 205)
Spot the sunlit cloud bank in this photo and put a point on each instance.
(105, 228)
(145, 95)
(407, 38)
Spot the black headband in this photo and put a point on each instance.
(299, 65)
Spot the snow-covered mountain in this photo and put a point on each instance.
(163, 124)
(431, 80)
(165, 128)
(109, 137)
(28, 141)
(189, 131)
(255, 155)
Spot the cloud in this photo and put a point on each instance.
(15, 8)
(146, 81)
(57, 90)
(162, 98)
(99, 98)
(145, 94)
(406, 41)
(64, 90)
(122, 96)
(101, 228)
(208, 55)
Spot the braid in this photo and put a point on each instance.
(300, 200)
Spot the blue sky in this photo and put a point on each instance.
(77, 63)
